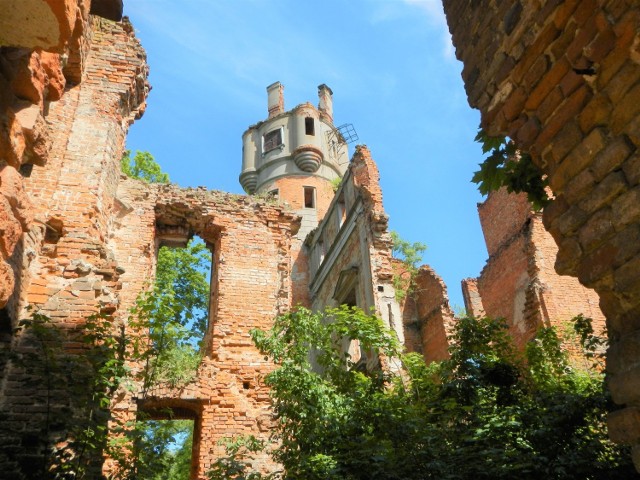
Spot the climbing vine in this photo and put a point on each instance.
(508, 167)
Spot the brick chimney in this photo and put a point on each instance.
(325, 105)
(275, 95)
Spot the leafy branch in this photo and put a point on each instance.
(508, 167)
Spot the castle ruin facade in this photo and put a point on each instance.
(79, 238)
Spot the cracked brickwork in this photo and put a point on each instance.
(563, 80)
(427, 316)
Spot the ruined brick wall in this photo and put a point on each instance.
(562, 80)
(519, 283)
(71, 121)
(30, 77)
(435, 314)
(252, 243)
(427, 317)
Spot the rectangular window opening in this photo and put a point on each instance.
(309, 197)
(185, 270)
(309, 126)
(341, 209)
(271, 140)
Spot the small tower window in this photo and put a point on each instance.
(309, 197)
(309, 126)
(272, 140)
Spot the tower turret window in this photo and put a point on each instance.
(309, 126)
(271, 140)
(309, 197)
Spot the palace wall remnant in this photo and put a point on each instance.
(79, 238)
(519, 282)
(562, 79)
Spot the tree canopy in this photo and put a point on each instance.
(489, 412)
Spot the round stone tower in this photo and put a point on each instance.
(296, 156)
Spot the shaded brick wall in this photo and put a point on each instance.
(562, 80)
(519, 282)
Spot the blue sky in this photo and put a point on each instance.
(394, 76)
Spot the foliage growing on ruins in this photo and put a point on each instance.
(410, 254)
(175, 314)
(143, 167)
(488, 412)
(508, 167)
(158, 458)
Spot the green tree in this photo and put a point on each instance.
(410, 254)
(143, 167)
(489, 412)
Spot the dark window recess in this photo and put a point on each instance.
(246, 385)
(380, 288)
(350, 299)
(272, 140)
(5, 325)
(26, 169)
(53, 231)
(309, 197)
(309, 126)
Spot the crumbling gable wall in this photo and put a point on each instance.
(435, 316)
(562, 80)
(427, 318)
(518, 282)
(251, 243)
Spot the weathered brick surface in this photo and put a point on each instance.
(519, 282)
(35, 34)
(60, 261)
(252, 259)
(434, 313)
(589, 75)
